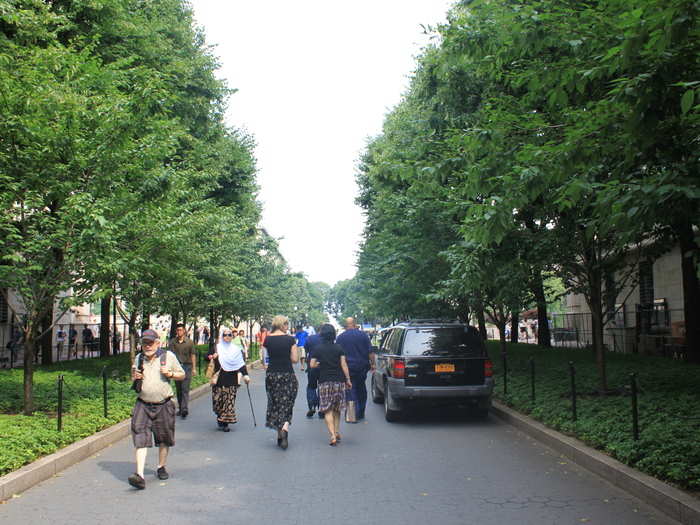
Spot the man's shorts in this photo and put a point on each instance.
(149, 421)
(302, 352)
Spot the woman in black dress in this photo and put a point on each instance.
(230, 361)
(280, 382)
(333, 381)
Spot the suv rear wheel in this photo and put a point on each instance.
(377, 397)
(390, 414)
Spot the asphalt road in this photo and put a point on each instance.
(438, 467)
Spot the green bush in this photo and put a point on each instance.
(667, 448)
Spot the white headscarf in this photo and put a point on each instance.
(230, 355)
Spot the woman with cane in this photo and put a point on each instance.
(333, 380)
(230, 361)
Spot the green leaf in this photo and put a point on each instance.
(687, 101)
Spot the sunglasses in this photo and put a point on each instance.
(228, 335)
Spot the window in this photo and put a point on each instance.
(3, 307)
(393, 345)
(448, 341)
(646, 283)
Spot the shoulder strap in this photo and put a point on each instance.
(163, 357)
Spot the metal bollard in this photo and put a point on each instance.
(59, 419)
(505, 373)
(572, 370)
(635, 408)
(532, 380)
(104, 389)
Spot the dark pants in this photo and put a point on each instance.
(359, 390)
(312, 388)
(183, 390)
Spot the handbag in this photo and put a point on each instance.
(350, 412)
(210, 369)
(215, 377)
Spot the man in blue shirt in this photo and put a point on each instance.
(312, 376)
(360, 359)
(301, 336)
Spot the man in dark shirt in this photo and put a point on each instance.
(183, 347)
(360, 359)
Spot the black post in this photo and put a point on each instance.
(635, 410)
(505, 373)
(104, 388)
(573, 390)
(532, 380)
(60, 403)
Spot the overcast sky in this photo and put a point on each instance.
(315, 79)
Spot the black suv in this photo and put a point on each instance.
(434, 362)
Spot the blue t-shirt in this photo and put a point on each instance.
(301, 338)
(311, 342)
(357, 348)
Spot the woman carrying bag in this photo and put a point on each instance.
(333, 380)
(229, 361)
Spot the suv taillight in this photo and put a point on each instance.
(488, 368)
(398, 368)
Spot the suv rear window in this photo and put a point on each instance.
(461, 341)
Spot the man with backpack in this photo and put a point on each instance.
(153, 416)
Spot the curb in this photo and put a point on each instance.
(666, 499)
(48, 466)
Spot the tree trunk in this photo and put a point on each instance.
(212, 326)
(481, 320)
(515, 320)
(691, 290)
(173, 324)
(596, 307)
(132, 336)
(105, 303)
(46, 339)
(544, 337)
(29, 343)
(502, 337)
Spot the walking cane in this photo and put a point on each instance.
(255, 424)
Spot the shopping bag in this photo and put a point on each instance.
(350, 405)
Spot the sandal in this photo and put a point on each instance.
(338, 437)
(283, 441)
(333, 442)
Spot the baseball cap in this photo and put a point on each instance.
(149, 335)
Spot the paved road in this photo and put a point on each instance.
(435, 468)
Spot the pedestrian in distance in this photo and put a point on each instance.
(333, 381)
(280, 382)
(183, 347)
(153, 416)
(300, 336)
(240, 338)
(312, 375)
(360, 359)
(228, 365)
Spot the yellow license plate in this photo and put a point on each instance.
(445, 367)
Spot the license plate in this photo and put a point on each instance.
(445, 367)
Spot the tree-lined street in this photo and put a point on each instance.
(433, 468)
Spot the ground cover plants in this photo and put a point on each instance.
(27, 438)
(667, 449)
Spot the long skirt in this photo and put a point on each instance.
(281, 390)
(331, 395)
(224, 403)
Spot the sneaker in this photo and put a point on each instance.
(162, 473)
(137, 481)
(225, 428)
(320, 415)
(183, 415)
(310, 413)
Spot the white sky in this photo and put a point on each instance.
(315, 80)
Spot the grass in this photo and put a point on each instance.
(669, 423)
(27, 438)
